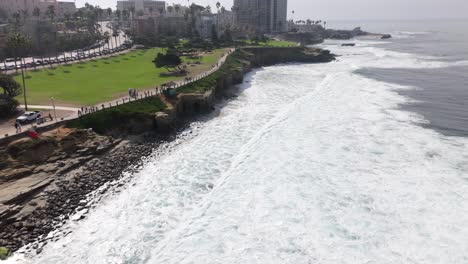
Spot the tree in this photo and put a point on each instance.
(115, 34)
(16, 21)
(125, 14)
(168, 61)
(170, 9)
(177, 8)
(218, 5)
(118, 14)
(25, 15)
(51, 12)
(11, 88)
(107, 38)
(214, 34)
(8, 106)
(109, 12)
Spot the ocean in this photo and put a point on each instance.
(362, 160)
(439, 94)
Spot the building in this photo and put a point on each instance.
(204, 25)
(20, 6)
(224, 21)
(3, 36)
(147, 6)
(261, 16)
(63, 8)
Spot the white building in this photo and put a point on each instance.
(147, 6)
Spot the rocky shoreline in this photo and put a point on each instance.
(43, 183)
(318, 34)
(58, 188)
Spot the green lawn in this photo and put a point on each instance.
(272, 43)
(100, 80)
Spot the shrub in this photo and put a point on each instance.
(8, 106)
(108, 119)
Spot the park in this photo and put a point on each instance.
(105, 79)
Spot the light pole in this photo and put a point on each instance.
(53, 104)
(24, 84)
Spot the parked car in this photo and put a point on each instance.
(28, 117)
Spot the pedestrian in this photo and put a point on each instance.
(18, 127)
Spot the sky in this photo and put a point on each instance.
(347, 9)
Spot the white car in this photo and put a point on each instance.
(28, 117)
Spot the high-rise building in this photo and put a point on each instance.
(261, 16)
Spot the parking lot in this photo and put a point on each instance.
(9, 67)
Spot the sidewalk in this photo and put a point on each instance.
(72, 113)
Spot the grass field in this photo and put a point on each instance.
(273, 43)
(101, 80)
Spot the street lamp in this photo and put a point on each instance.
(53, 104)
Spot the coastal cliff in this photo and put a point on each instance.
(201, 96)
(45, 182)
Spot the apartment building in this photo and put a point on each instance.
(141, 5)
(261, 16)
(28, 6)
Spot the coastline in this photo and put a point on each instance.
(81, 161)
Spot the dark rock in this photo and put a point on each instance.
(386, 36)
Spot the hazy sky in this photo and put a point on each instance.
(348, 9)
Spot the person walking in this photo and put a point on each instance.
(18, 127)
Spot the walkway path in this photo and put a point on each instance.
(73, 112)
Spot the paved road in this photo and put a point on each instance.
(73, 112)
(105, 27)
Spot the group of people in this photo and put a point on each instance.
(39, 120)
(87, 110)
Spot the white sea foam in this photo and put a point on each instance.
(311, 164)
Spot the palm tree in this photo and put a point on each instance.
(125, 14)
(16, 21)
(19, 46)
(25, 15)
(170, 9)
(109, 12)
(51, 12)
(115, 34)
(37, 12)
(107, 38)
(177, 8)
